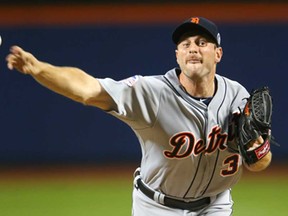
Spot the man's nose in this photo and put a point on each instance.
(193, 48)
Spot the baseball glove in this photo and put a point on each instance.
(255, 121)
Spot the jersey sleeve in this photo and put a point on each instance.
(136, 99)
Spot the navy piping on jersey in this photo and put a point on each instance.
(225, 93)
(196, 172)
(214, 169)
(192, 182)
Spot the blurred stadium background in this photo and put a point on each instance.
(46, 134)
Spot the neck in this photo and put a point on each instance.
(201, 88)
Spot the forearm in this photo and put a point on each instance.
(67, 81)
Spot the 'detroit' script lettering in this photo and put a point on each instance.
(184, 144)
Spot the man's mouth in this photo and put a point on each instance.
(193, 61)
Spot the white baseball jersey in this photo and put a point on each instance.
(187, 148)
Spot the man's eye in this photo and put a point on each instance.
(186, 45)
(202, 43)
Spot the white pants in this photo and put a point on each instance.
(144, 206)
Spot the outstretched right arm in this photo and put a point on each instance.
(71, 82)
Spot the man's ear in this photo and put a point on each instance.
(219, 54)
(176, 54)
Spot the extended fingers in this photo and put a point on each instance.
(11, 60)
(21, 60)
(16, 50)
(15, 58)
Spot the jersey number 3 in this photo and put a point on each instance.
(231, 164)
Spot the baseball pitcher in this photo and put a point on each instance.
(196, 128)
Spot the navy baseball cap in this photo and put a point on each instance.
(197, 23)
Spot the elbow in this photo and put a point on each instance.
(90, 101)
(86, 101)
(80, 99)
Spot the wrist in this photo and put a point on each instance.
(39, 67)
(260, 165)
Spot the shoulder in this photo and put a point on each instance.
(153, 83)
(233, 92)
(230, 82)
(135, 85)
(231, 86)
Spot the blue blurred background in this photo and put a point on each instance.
(39, 127)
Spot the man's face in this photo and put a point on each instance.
(197, 55)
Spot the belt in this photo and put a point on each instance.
(168, 201)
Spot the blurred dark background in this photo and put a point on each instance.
(118, 39)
